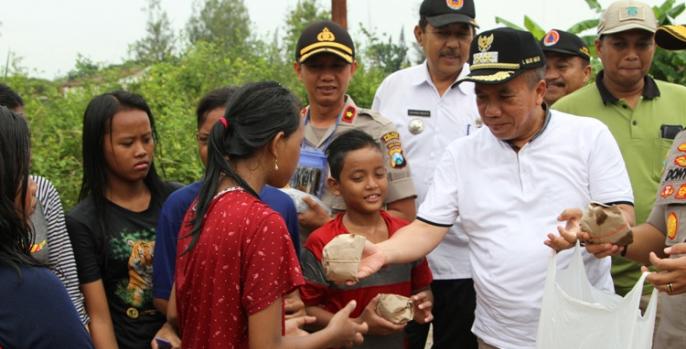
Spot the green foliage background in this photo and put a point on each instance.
(172, 86)
(667, 65)
(209, 54)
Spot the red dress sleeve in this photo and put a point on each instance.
(270, 268)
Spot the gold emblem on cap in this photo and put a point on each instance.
(585, 51)
(326, 35)
(485, 43)
(416, 126)
(498, 76)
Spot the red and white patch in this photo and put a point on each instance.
(454, 4)
(551, 38)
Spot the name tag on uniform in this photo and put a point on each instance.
(420, 113)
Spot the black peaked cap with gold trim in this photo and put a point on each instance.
(500, 55)
(671, 37)
(323, 37)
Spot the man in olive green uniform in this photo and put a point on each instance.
(325, 63)
(643, 114)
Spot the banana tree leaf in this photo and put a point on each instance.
(676, 11)
(583, 26)
(594, 5)
(534, 28)
(507, 23)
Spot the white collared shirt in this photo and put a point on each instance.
(408, 95)
(508, 201)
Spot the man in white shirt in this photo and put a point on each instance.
(507, 183)
(430, 110)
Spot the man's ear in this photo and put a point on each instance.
(587, 73)
(540, 91)
(598, 47)
(334, 186)
(297, 68)
(418, 34)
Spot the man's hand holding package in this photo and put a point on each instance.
(604, 229)
(670, 271)
(423, 303)
(341, 258)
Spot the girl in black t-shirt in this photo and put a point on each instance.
(35, 310)
(112, 228)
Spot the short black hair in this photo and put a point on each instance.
(349, 141)
(211, 101)
(9, 98)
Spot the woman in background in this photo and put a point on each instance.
(112, 228)
(51, 246)
(35, 310)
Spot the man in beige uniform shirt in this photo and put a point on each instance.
(325, 63)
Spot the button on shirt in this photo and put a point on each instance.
(408, 95)
(508, 201)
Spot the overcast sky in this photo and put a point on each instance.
(47, 34)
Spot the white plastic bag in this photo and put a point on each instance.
(575, 315)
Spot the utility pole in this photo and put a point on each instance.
(339, 12)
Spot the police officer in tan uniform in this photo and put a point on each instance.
(325, 63)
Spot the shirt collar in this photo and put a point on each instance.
(650, 89)
(423, 76)
(546, 122)
(348, 102)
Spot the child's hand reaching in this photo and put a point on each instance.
(294, 325)
(346, 331)
(377, 324)
(423, 303)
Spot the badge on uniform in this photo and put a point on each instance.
(416, 126)
(680, 161)
(349, 114)
(395, 150)
(418, 112)
(667, 191)
(672, 225)
(681, 193)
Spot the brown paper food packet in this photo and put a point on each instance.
(606, 224)
(341, 258)
(394, 308)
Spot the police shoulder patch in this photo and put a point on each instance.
(349, 114)
(672, 225)
(394, 149)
